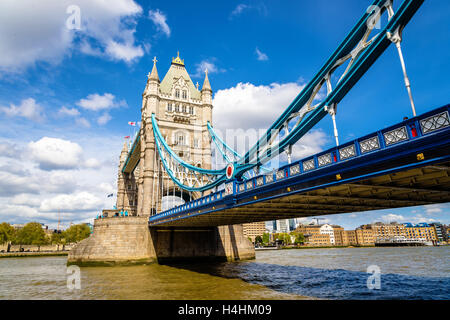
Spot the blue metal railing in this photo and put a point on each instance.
(414, 128)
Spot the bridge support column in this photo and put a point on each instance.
(224, 243)
(115, 240)
(129, 240)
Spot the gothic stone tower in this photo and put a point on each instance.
(182, 111)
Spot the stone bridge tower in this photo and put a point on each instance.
(182, 111)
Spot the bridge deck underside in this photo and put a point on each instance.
(414, 187)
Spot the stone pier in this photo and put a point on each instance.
(129, 240)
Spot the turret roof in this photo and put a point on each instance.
(176, 71)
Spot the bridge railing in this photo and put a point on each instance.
(407, 130)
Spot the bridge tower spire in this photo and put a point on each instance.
(147, 166)
(121, 178)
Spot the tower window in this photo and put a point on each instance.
(169, 107)
(177, 93)
(177, 108)
(191, 110)
(184, 94)
(179, 139)
(184, 109)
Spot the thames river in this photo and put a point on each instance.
(404, 273)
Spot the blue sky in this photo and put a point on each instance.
(66, 95)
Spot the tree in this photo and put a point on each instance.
(299, 237)
(266, 238)
(6, 233)
(284, 237)
(258, 239)
(58, 238)
(77, 233)
(31, 233)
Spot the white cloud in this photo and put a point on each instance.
(82, 201)
(92, 163)
(418, 218)
(54, 153)
(248, 106)
(160, 21)
(34, 32)
(124, 51)
(432, 209)
(28, 108)
(311, 143)
(261, 56)
(26, 200)
(29, 192)
(72, 112)
(240, 8)
(104, 119)
(244, 112)
(206, 64)
(83, 122)
(8, 149)
(96, 102)
(393, 217)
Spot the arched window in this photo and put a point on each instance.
(191, 110)
(184, 108)
(177, 108)
(177, 93)
(184, 94)
(169, 107)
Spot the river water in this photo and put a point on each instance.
(405, 273)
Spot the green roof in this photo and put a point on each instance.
(175, 72)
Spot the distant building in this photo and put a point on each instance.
(440, 231)
(321, 235)
(421, 231)
(254, 229)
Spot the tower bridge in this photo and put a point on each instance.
(404, 165)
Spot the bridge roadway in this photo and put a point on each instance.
(404, 165)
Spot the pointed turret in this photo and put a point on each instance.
(123, 153)
(154, 74)
(206, 84)
(152, 86)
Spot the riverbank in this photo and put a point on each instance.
(32, 254)
(312, 247)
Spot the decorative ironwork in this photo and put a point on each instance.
(241, 187)
(369, 144)
(308, 165)
(269, 178)
(280, 174)
(249, 184)
(295, 169)
(324, 159)
(228, 188)
(347, 152)
(395, 136)
(259, 181)
(435, 122)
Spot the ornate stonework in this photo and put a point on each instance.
(182, 112)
